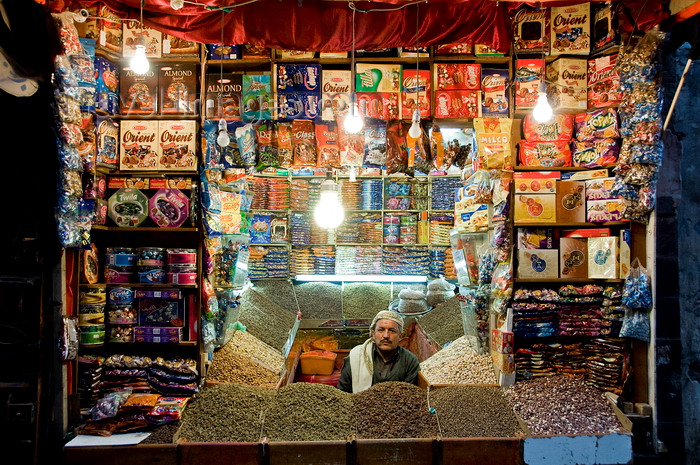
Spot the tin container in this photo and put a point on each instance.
(92, 335)
(151, 256)
(151, 275)
(119, 274)
(120, 256)
(182, 256)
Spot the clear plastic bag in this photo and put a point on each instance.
(636, 292)
(636, 325)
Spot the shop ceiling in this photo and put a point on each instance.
(326, 25)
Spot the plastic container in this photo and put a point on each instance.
(119, 274)
(151, 256)
(120, 256)
(96, 295)
(120, 296)
(92, 335)
(182, 256)
(152, 275)
(318, 362)
(122, 315)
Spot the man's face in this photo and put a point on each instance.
(386, 335)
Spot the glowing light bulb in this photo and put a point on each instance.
(329, 212)
(542, 111)
(177, 4)
(139, 63)
(223, 138)
(415, 131)
(353, 121)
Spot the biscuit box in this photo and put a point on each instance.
(538, 263)
(296, 105)
(457, 76)
(586, 232)
(602, 257)
(168, 208)
(416, 91)
(535, 208)
(542, 182)
(571, 201)
(531, 30)
(294, 54)
(483, 50)
(177, 85)
(458, 104)
(494, 95)
(138, 93)
(106, 28)
(256, 97)
(537, 238)
(222, 96)
(160, 307)
(128, 207)
(603, 82)
(106, 86)
(378, 105)
(600, 189)
(571, 30)
(224, 52)
(176, 48)
(586, 174)
(600, 211)
(335, 97)
(414, 51)
(371, 77)
(134, 33)
(178, 145)
(568, 84)
(573, 257)
(298, 77)
(139, 145)
(528, 76)
(107, 142)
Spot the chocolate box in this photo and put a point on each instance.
(571, 30)
(502, 342)
(458, 104)
(371, 77)
(224, 52)
(139, 145)
(107, 142)
(454, 49)
(177, 85)
(134, 33)
(535, 208)
(255, 52)
(294, 54)
(138, 93)
(168, 208)
(600, 189)
(378, 105)
(583, 175)
(457, 76)
(538, 238)
(495, 97)
(157, 331)
(335, 97)
(528, 76)
(600, 211)
(160, 307)
(128, 207)
(586, 232)
(298, 77)
(603, 82)
(605, 29)
(106, 29)
(176, 47)
(416, 91)
(571, 202)
(625, 252)
(540, 182)
(531, 30)
(298, 105)
(414, 51)
(178, 145)
(482, 50)
(256, 97)
(106, 86)
(602, 257)
(223, 96)
(538, 263)
(573, 257)
(567, 84)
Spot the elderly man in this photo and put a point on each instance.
(379, 358)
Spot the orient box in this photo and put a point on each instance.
(138, 93)
(335, 97)
(528, 76)
(168, 208)
(416, 91)
(603, 82)
(531, 30)
(256, 97)
(571, 203)
(371, 77)
(602, 257)
(571, 30)
(177, 84)
(298, 77)
(160, 307)
(223, 96)
(458, 104)
(133, 34)
(176, 48)
(106, 86)
(139, 145)
(567, 79)
(538, 263)
(494, 93)
(457, 76)
(106, 28)
(573, 257)
(224, 52)
(178, 145)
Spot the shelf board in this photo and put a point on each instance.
(562, 168)
(153, 345)
(472, 58)
(99, 227)
(140, 285)
(566, 280)
(157, 117)
(570, 225)
(270, 245)
(146, 174)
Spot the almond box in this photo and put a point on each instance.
(138, 93)
(177, 84)
(222, 96)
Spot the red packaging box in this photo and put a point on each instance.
(531, 30)
(603, 82)
(502, 341)
(379, 105)
(458, 104)
(416, 91)
(457, 76)
(586, 232)
(528, 76)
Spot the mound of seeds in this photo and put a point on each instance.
(309, 412)
(162, 434)
(252, 347)
(562, 405)
(225, 413)
(365, 300)
(458, 364)
(444, 322)
(394, 410)
(232, 365)
(474, 411)
(319, 301)
(277, 291)
(265, 319)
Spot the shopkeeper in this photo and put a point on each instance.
(379, 358)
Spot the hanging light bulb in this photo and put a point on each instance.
(329, 212)
(177, 4)
(139, 63)
(414, 131)
(542, 111)
(223, 138)
(353, 121)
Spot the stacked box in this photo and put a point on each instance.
(162, 308)
(605, 29)
(139, 145)
(567, 84)
(602, 257)
(177, 84)
(224, 51)
(175, 47)
(335, 93)
(494, 94)
(603, 82)
(571, 202)
(601, 204)
(107, 86)
(256, 97)
(223, 96)
(135, 33)
(138, 92)
(415, 93)
(573, 257)
(571, 30)
(538, 263)
(538, 238)
(531, 30)
(528, 76)
(535, 197)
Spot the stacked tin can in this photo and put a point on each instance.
(120, 265)
(182, 266)
(91, 316)
(122, 314)
(151, 265)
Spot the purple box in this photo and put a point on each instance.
(164, 339)
(298, 78)
(538, 238)
(224, 52)
(156, 331)
(299, 105)
(168, 208)
(160, 307)
(107, 86)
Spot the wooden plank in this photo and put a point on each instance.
(394, 451)
(219, 453)
(477, 451)
(147, 454)
(308, 452)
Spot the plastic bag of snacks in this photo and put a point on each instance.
(636, 292)
(439, 291)
(635, 324)
(493, 139)
(411, 301)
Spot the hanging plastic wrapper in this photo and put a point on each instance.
(502, 288)
(636, 325)
(636, 293)
(465, 256)
(475, 315)
(226, 320)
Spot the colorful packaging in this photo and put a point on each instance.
(535, 208)
(596, 152)
(375, 145)
(223, 96)
(106, 86)
(139, 145)
(601, 211)
(531, 30)
(177, 83)
(600, 189)
(257, 97)
(107, 143)
(135, 33)
(107, 30)
(602, 257)
(528, 76)
(573, 257)
(175, 47)
(260, 229)
(605, 29)
(555, 153)
(495, 100)
(163, 308)
(169, 208)
(560, 128)
(328, 153)
(567, 84)
(457, 104)
(138, 92)
(285, 146)
(597, 124)
(304, 142)
(493, 140)
(536, 182)
(571, 30)
(224, 52)
(370, 77)
(178, 145)
(537, 238)
(128, 207)
(293, 105)
(456, 76)
(335, 97)
(571, 205)
(483, 50)
(454, 49)
(416, 93)
(298, 77)
(603, 82)
(378, 105)
(538, 263)
(266, 139)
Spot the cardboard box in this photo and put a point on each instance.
(163, 339)
(138, 92)
(169, 208)
(416, 91)
(134, 33)
(599, 189)
(538, 263)
(586, 232)
(332, 54)
(583, 175)
(538, 238)
(414, 51)
(298, 77)
(458, 104)
(156, 331)
(625, 252)
(106, 86)
(223, 96)
(134, 182)
(568, 79)
(454, 49)
(483, 50)
(457, 76)
(255, 52)
(571, 30)
(298, 105)
(175, 47)
(528, 76)
(317, 362)
(177, 85)
(224, 52)
(603, 82)
(294, 54)
(128, 207)
(505, 363)
(573, 257)
(160, 308)
(106, 28)
(107, 142)
(605, 30)
(371, 77)
(495, 99)
(378, 105)
(178, 145)
(538, 182)
(601, 211)
(257, 97)
(602, 258)
(571, 202)
(531, 30)
(502, 342)
(535, 208)
(139, 145)
(335, 96)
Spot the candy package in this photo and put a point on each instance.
(304, 142)
(636, 292)
(328, 155)
(597, 124)
(560, 127)
(555, 153)
(266, 139)
(595, 152)
(396, 149)
(493, 141)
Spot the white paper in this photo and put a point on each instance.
(126, 439)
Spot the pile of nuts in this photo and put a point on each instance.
(265, 319)
(233, 365)
(255, 349)
(443, 323)
(365, 300)
(458, 364)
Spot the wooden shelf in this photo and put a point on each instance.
(99, 227)
(111, 346)
(566, 280)
(146, 174)
(572, 225)
(168, 116)
(140, 285)
(562, 168)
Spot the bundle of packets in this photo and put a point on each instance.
(405, 260)
(300, 228)
(358, 260)
(442, 263)
(443, 193)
